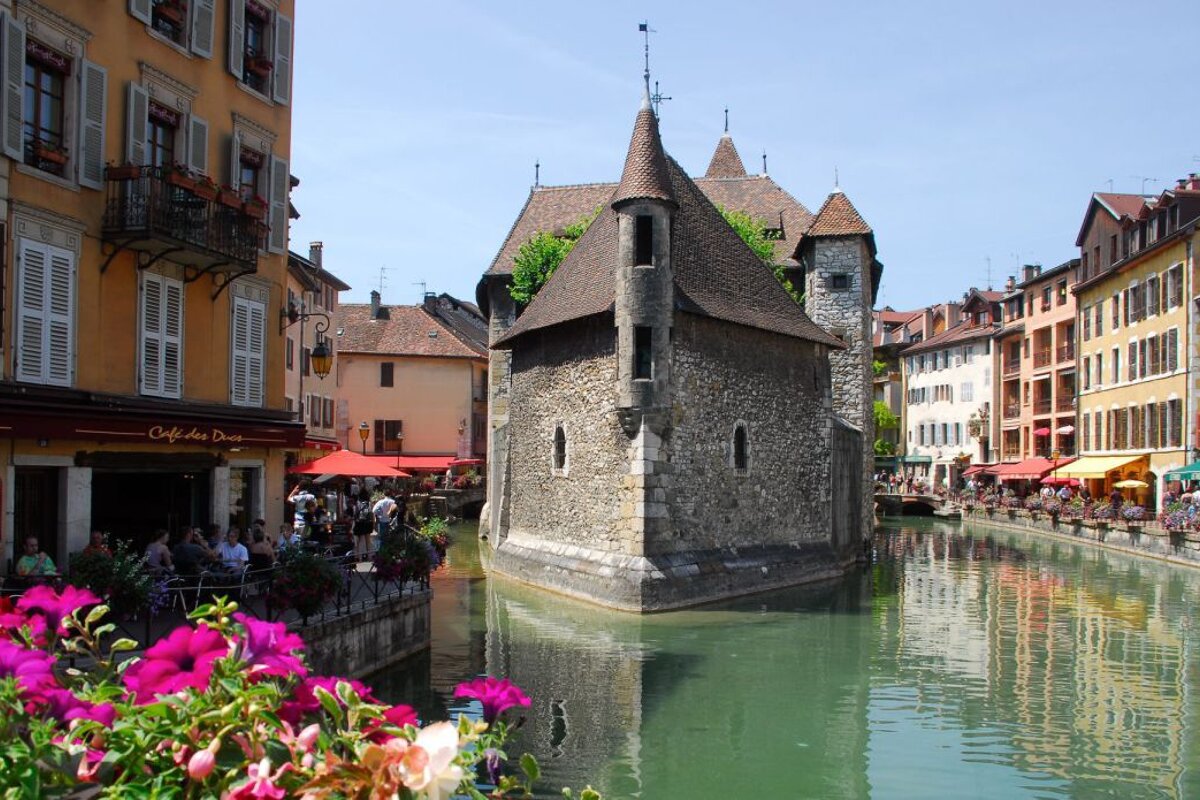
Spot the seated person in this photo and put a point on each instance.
(318, 523)
(262, 555)
(97, 546)
(232, 553)
(158, 555)
(189, 557)
(35, 563)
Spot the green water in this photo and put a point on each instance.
(989, 665)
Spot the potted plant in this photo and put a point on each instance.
(1134, 516)
(1011, 505)
(1102, 514)
(1173, 518)
(259, 65)
(177, 175)
(171, 11)
(229, 197)
(122, 172)
(1053, 508)
(49, 151)
(1033, 504)
(206, 187)
(255, 207)
(990, 501)
(305, 582)
(121, 578)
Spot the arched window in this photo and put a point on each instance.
(560, 448)
(741, 448)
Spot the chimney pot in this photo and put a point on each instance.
(314, 252)
(374, 304)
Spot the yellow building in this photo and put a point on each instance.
(145, 239)
(1135, 273)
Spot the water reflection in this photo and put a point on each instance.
(985, 665)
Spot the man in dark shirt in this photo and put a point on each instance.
(189, 557)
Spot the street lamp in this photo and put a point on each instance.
(399, 447)
(364, 430)
(321, 357)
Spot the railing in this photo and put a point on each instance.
(1066, 353)
(1012, 410)
(1065, 403)
(1012, 367)
(1011, 454)
(172, 214)
(1041, 358)
(1041, 406)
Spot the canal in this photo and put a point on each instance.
(998, 665)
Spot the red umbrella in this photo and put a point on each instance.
(350, 464)
(1050, 480)
(1042, 432)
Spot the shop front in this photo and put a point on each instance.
(1101, 474)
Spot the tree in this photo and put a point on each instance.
(885, 420)
(538, 258)
(752, 233)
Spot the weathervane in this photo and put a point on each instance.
(656, 97)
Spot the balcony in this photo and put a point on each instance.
(1041, 358)
(1066, 353)
(1065, 403)
(165, 215)
(1012, 367)
(1041, 406)
(1012, 410)
(1011, 454)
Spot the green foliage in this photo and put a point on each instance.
(120, 578)
(305, 581)
(751, 232)
(884, 418)
(884, 448)
(538, 258)
(879, 368)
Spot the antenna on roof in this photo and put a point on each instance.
(727, 119)
(537, 172)
(836, 185)
(383, 278)
(423, 289)
(764, 161)
(1144, 179)
(988, 259)
(657, 97)
(1110, 184)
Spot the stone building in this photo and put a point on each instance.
(665, 412)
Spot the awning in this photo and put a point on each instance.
(467, 462)
(1189, 473)
(350, 464)
(979, 469)
(1095, 466)
(916, 459)
(416, 463)
(1032, 469)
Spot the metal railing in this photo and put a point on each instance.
(1066, 353)
(1041, 358)
(1012, 410)
(1012, 367)
(1065, 403)
(1041, 406)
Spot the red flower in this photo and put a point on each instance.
(183, 659)
(304, 700)
(269, 648)
(64, 706)
(31, 668)
(55, 606)
(496, 695)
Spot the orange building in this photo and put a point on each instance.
(144, 243)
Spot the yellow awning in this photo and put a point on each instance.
(1094, 466)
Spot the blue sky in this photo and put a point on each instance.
(960, 130)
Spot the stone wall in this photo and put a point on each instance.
(366, 641)
(493, 519)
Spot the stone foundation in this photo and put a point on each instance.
(357, 644)
(666, 581)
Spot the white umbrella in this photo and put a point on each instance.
(1065, 429)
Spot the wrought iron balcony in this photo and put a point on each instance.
(1066, 353)
(1041, 358)
(1041, 406)
(1012, 367)
(1012, 410)
(164, 214)
(1066, 401)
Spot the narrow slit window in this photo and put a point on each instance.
(560, 448)
(740, 450)
(643, 360)
(644, 241)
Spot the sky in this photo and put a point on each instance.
(966, 133)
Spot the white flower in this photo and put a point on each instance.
(438, 776)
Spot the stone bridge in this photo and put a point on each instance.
(910, 504)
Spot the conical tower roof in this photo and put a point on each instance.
(645, 174)
(726, 163)
(838, 217)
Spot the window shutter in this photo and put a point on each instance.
(31, 312)
(237, 37)
(13, 99)
(60, 321)
(378, 436)
(140, 10)
(235, 160)
(91, 125)
(1172, 349)
(1133, 353)
(281, 73)
(240, 353)
(137, 109)
(204, 15)
(280, 183)
(197, 145)
(172, 338)
(152, 311)
(255, 376)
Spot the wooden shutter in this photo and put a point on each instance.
(152, 313)
(1172, 355)
(281, 72)
(235, 160)
(280, 184)
(204, 15)
(137, 109)
(240, 353)
(256, 319)
(197, 145)
(60, 321)
(1133, 354)
(162, 336)
(237, 37)
(13, 99)
(92, 97)
(31, 311)
(140, 10)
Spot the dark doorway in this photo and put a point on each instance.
(132, 505)
(35, 512)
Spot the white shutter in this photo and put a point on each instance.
(140, 10)
(204, 14)
(280, 184)
(60, 317)
(92, 97)
(172, 338)
(235, 160)
(255, 374)
(239, 357)
(152, 313)
(197, 145)
(31, 311)
(237, 37)
(13, 98)
(281, 72)
(137, 110)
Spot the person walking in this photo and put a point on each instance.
(385, 509)
(364, 526)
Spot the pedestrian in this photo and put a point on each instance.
(189, 557)
(299, 497)
(385, 509)
(364, 526)
(1116, 498)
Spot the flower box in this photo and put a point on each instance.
(205, 189)
(181, 179)
(255, 209)
(259, 66)
(47, 153)
(230, 199)
(124, 172)
(171, 13)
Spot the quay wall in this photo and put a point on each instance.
(1141, 540)
(362, 642)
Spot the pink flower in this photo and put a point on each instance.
(65, 706)
(399, 716)
(201, 764)
(496, 695)
(55, 606)
(13, 621)
(89, 765)
(31, 668)
(305, 701)
(428, 764)
(260, 784)
(269, 648)
(183, 659)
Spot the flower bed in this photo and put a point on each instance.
(224, 708)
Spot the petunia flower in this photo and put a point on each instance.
(65, 706)
(269, 648)
(184, 659)
(304, 700)
(260, 784)
(14, 621)
(399, 716)
(496, 695)
(33, 669)
(54, 606)
(428, 765)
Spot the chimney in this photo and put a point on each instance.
(1030, 271)
(1010, 285)
(314, 252)
(1193, 181)
(430, 301)
(374, 304)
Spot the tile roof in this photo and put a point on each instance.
(962, 332)
(409, 331)
(764, 200)
(549, 208)
(838, 217)
(1121, 205)
(645, 173)
(887, 315)
(726, 163)
(715, 273)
